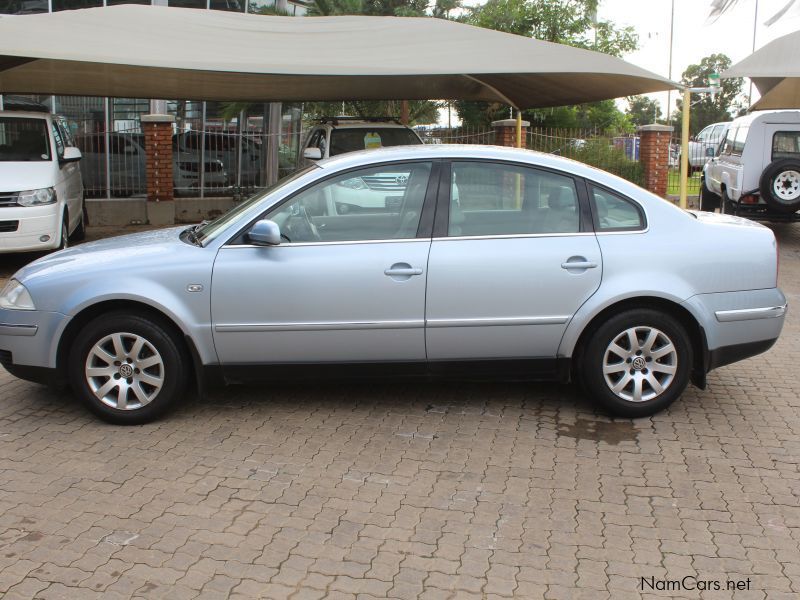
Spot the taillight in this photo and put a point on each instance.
(749, 199)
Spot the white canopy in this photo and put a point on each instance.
(775, 71)
(160, 52)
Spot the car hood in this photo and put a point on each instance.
(19, 176)
(125, 256)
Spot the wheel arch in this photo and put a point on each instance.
(695, 331)
(93, 311)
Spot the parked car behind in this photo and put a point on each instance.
(225, 148)
(756, 172)
(336, 135)
(705, 144)
(41, 193)
(528, 274)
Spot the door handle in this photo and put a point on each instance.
(578, 262)
(402, 272)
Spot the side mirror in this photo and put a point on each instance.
(265, 233)
(71, 154)
(710, 151)
(312, 153)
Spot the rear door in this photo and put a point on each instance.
(512, 259)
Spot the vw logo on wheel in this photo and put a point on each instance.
(126, 371)
(638, 363)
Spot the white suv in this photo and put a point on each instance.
(756, 170)
(337, 135)
(41, 193)
(705, 144)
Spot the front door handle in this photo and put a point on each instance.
(402, 271)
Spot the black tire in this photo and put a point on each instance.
(159, 346)
(709, 201)
(780, 185)
(64, 241)
(598, 353)
(80, 231)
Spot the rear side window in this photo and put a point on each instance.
(615, 213)
(739, 140)
(501, 199)
(786, 144)
(727, 146)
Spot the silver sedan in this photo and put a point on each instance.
(450, 261)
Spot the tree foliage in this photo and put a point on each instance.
(643, 110)
(706, 110)
(570, 22)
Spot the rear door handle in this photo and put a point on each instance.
(578, 262)
(402, 272)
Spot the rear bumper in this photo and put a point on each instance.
(726, 355)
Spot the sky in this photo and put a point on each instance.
(694, 35)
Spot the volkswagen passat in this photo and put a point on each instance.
(475, 262)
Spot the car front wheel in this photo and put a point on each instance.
(637, 363)
(127, 368)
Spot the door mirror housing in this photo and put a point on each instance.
(312, 153)
(71, 154)
(265, 233)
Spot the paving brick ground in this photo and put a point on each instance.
(410, 491)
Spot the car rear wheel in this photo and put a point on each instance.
(709, 201)
(637, 363)
(127, 368)
(780, 185)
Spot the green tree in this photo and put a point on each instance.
(643, 110)
(706, 110)
(570, 22)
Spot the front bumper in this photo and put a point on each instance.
(32, 223)
(29, 343)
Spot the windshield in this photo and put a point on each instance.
(364, 138)
(208, 231)
(23, 140)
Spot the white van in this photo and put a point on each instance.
(41, 192)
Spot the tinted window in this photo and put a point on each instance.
(350, 140)
(376, 203)
(786, 144)
(23, 140)
(614, 213)
(498, 199)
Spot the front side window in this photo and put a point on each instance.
(727, 145)
(362, 138)
(739, 140)
(59, 141)
(23, 140)
(704, 135)
(615, 213)
(376, 203)
(786, 144)
(501, 199)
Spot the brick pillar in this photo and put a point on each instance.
(654, 155)
(505, 132)
(158, 150)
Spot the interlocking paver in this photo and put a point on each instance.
(387, 490)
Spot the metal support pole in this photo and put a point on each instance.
(203, 153)
(273, 141)
(519, 128)
(1, 101)
(107, 136)
(687, 101)
(240, 125)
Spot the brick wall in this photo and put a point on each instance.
(158, 150)
(505, 132)
(654, 156)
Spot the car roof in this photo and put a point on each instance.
(769, 116)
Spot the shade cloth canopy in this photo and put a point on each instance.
(775, 71)
(161, 52)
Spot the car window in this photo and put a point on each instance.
(363, 138)
(615, 213)
(23, 140)
(58, 140)
(376, 203)
(704, 135)
(727, 145)
(786, 144)
(738, 141)
(499, 199)
(716, 133)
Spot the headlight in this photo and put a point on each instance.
(36, 197)
(15, 297)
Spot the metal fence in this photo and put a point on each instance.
(456, 135)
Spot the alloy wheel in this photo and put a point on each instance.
(640, 364)
(124, 371)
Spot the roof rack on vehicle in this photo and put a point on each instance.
(337, 120)
(22, 103)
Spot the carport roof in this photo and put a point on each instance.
(162, 52)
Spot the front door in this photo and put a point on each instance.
(517, 261)
(347, 284)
